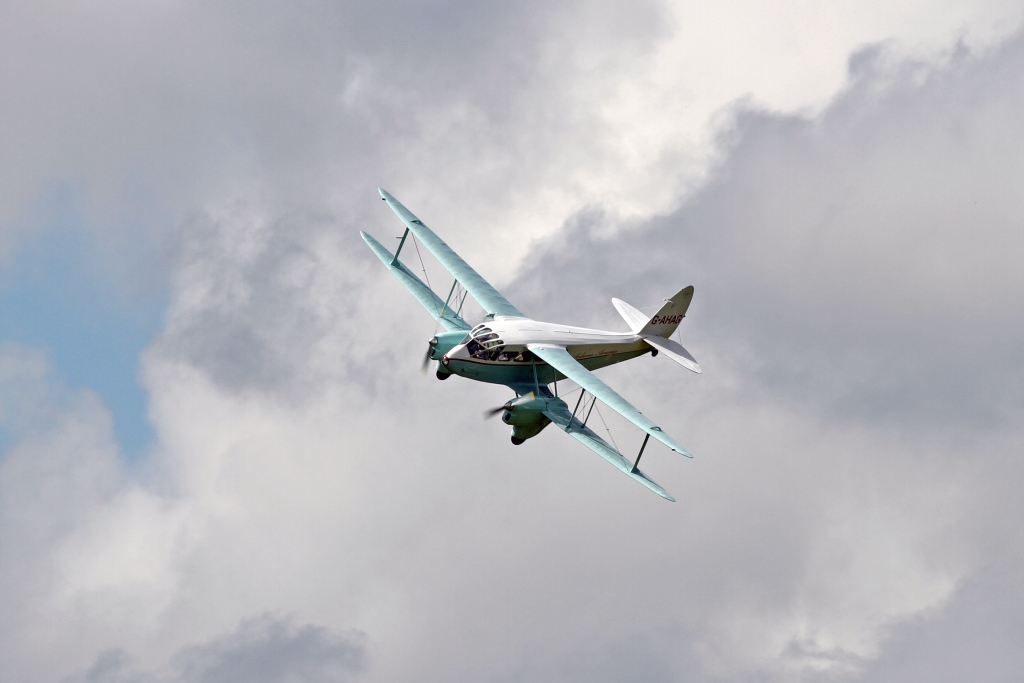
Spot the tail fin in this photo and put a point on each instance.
(664, 322)
(668, 317)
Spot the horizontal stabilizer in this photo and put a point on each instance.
(432, 302)
(634, 318)
(675, 351)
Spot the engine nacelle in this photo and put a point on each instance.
(526, 417)
(523, 413)
(522, 433)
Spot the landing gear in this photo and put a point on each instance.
(443, 374)
(516, 441)
(654, 352)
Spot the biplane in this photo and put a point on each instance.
(530, 357)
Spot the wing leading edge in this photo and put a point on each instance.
(558, 358)
(579, 431)
(481, 290)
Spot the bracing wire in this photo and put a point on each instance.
(423, 267)
(606, 427)
(416, 244)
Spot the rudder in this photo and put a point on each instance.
(667, 319)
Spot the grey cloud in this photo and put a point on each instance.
(265, 649)
(258, 324)
(845, 282)
(270, 649)
(112, 666)
(154, 118)
(862, 260)
(860, 266)
(976, 636)
(142, 114)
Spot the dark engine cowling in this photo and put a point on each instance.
(526, 416)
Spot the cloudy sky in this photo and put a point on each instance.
(218, 461)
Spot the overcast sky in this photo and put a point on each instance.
(218, 461)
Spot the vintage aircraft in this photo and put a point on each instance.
(527, 355)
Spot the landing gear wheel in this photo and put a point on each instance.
(516, 441)
(443, 375)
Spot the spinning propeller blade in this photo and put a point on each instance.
(525, 398)
(431, 343)
(493, 412)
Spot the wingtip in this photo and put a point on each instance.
(384, 194)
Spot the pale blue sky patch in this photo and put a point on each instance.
(93, 317)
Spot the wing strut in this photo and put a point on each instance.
(578, 401)
(642, 447)
(400, 245)
(450, 292)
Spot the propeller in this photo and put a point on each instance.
(494, 412)
(427, 356)
(525, 398)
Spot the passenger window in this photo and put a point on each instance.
(485, 344)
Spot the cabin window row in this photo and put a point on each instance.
(498, 353)
(484, 344)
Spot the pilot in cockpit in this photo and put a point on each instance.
(477, 351)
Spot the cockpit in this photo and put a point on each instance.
(483, 343)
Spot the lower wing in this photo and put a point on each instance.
(558, 358)
(579, 431)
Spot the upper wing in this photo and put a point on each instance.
(576, 429)
(430, 301)
(558, 358)
(488, 297)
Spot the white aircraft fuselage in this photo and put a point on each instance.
(497, 351)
